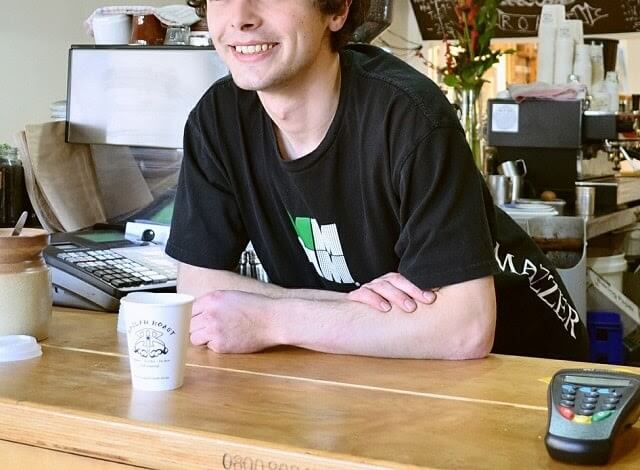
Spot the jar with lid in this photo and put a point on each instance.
(13, 197)
(25, 283)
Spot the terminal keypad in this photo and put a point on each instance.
(116, 269)
(587, 405)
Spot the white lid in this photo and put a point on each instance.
(18, 348)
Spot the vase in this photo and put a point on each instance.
(470, 119)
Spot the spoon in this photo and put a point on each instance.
(19, 224)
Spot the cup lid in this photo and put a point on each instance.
(18, 348)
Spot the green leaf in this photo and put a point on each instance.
(452, 81)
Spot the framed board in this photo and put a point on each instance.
(520, 18)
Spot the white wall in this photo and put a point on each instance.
(404, 24)
(35, 36)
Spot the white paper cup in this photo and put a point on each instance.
(120, 326)
(111, 29)
(157, 326)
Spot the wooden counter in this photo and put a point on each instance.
(284, 409)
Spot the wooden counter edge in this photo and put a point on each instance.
(148, 445)
(15, 456)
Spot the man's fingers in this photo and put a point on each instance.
(198, 322)
(206, 301)
(429, 296)
(392, 289)
(198, 305)
(370, 298)
(199, 337)
(408, 287)
(393, 294)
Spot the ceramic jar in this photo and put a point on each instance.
(25, 284)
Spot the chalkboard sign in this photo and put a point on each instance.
(520, 18)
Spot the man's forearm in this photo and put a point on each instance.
(199, 281)
(459, 325)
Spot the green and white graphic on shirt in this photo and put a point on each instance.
(321, 244)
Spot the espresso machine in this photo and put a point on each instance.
(564, 146)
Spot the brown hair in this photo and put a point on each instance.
(357, 14)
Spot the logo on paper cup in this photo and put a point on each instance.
(149, 344)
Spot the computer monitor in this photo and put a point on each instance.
(136, 95)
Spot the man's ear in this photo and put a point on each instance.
(336, 22)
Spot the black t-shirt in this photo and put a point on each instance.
(391, 187)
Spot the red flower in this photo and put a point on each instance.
(466, 64)
(471, 16)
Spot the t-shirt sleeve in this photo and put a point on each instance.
(445, 237)
(206, 228)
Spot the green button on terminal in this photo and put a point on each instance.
(600, 415)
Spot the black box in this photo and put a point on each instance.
(540, 124)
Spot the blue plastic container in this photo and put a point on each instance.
(605, 337)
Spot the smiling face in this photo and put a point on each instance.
(269, 44)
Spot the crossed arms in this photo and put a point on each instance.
(236, 314)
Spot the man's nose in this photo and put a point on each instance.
(244, 14)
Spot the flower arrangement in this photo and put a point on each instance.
(468, 55)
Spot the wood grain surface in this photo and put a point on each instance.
(281, 409)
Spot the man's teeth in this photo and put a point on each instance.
(253, 49)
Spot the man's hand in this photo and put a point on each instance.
(392, 288)
(231, 322)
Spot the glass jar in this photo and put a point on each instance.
(147, 30)
(25, 284)
(177, 36)
(12, 188)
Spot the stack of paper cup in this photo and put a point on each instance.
(549, 20)
(597, 63)
(565, 43)
(582, 64)
(578, 30)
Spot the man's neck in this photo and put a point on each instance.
(302, 112)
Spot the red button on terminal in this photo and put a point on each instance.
(566, 412)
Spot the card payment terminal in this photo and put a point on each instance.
(93, 269)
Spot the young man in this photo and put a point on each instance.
(349, 172)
